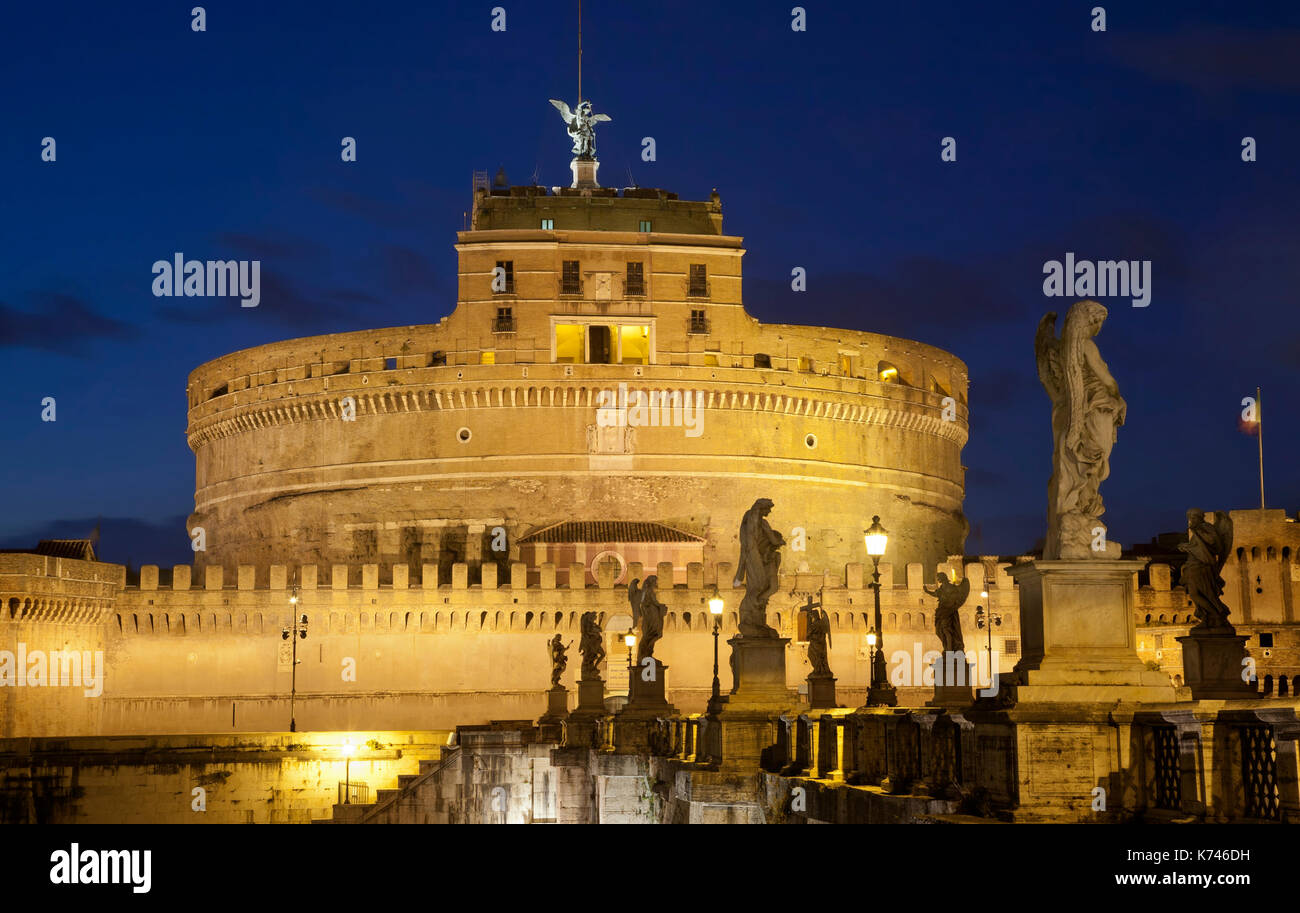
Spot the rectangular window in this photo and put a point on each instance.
(487, 358)
(699, 324)
(570, 279)
(805, 364)
(846, 365)
(390, 364)
(635, 342)
(710, 359)
(635, 284)
(505, 322)
(1266, 639)
(1010, 645)
(570, 344)
(762, 360)
(645, 225)
(699, 281)
(548, 224)
(503, 278)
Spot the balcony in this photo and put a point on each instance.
(503, 325)
(570, 286)
(698, 326)
(634, 288)
(697, 289)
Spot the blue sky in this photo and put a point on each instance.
(824, 146)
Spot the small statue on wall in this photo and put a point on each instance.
(947, 618)
(819, 637)
(1207, 548)
(647, 615)
(591, 646)
(559, 658)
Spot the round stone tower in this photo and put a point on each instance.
(599, 366)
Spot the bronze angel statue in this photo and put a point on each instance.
(591, 647)
(947, 618)
(819, 637)
(582, 127)
(558, 651)
(1087, 411)
(1207, 548)
(647, 615)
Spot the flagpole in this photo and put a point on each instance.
(579, 51)
(1259, 415)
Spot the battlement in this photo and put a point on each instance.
(988, 572)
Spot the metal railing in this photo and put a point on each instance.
(353, 793)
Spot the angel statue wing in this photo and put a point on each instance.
(1222, 526)
(827, 619)
(601, 118)
(963, 590)
(564, 110)
(1047, 349)
(634, 597)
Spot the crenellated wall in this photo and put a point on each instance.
(191, 649)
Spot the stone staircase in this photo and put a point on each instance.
(409, 795)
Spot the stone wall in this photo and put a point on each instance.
(256, 778)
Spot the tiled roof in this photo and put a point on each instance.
(81, 549)
(608, 531)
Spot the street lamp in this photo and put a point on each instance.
(881, 693)
(715, 609)
(988, 620)
(348, 750)
(630, 639)
(297, 632)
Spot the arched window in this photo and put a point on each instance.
(888, 373)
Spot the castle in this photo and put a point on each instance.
(391, 524)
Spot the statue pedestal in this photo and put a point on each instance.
(636, 723)
(821, 692)
(584, 174)
(1079, 635)
(557, 710)
(581, 729)
(1212, 666)
(591, 696)
(748, 721)
(953, 678)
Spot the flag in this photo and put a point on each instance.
(1249, 422)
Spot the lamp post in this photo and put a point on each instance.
(295, 632)
(348, 750)
(988, 620)
(715, 609)
(630, 639)
(881, 693)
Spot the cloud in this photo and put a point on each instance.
(1215, 59)
(60, 323)
(380, 212)
(405, 270)
(262, 248)
(282, 302)
(121, 539)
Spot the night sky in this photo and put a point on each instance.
(825, 147)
